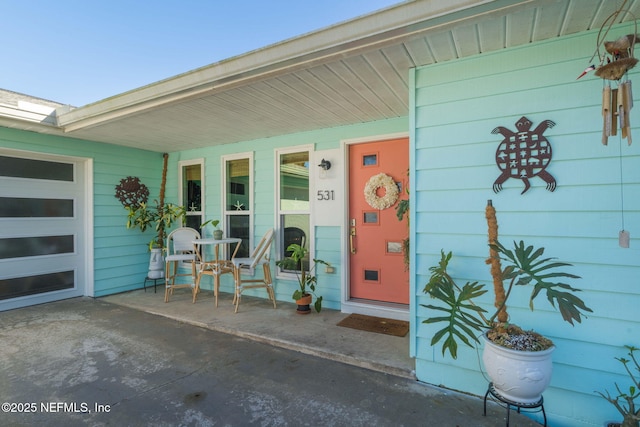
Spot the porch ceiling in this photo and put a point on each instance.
(352, 72)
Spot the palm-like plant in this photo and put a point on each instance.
(464, 319)
(160, 216)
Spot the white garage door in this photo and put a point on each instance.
(42, 229)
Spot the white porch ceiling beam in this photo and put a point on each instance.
(363, 34)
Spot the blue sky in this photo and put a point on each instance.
(81, 51)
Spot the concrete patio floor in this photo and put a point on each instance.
(96, 362)
(315, 334)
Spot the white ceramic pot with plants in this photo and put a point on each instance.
(511, 354)
(518, 376)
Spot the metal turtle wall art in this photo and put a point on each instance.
(524, 154)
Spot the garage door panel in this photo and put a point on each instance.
(36, 167)
(62, 283)
(36, 246)
(37, 227)
(36, 207)
(42, 252)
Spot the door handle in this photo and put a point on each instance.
(352, 233)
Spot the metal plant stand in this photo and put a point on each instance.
(508, 403)
(155, 282)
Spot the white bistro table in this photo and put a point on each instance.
(214, 267)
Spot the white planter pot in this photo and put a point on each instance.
(518, 376)
(156, 264)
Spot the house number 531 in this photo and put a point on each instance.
(326, 195)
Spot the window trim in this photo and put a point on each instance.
(223, 202)
(309, 148)
(203, 192)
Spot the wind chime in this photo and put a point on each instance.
(614, 65)
(617, 102)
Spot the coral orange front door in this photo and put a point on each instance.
(377, 270)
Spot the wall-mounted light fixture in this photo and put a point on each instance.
(325, 164)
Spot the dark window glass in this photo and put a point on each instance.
(41, 283)
(371, 275)
(371, 217)
(294, 181)
(293, 231)
(18, 207)
(19, 247)
(238, 176)
(191, 188)
(194, 222)
(238, 226)
(370, 160)
(36, 169)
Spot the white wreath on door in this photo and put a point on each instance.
(391, 191)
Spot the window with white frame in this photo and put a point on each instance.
(192, 191)
(238, 199)
(293, 207)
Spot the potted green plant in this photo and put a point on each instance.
(465, 320)
(161, 217)
(625, 402)
(306, 279)
(217, 232)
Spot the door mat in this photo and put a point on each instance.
(379, 325)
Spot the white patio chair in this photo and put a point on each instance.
(259, 257)
(180, 253)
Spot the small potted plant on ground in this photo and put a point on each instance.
(217, 232)
(625, 401)
(465, 321)
(306, 279)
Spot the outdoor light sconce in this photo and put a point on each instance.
(325, 165)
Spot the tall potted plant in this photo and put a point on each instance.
(133, 196)
(306, 279)
(161, 218)
(507, 346)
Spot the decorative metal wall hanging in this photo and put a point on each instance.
(131, 192)
(524, 154)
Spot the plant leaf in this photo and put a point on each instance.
(532, 268)
(461, 314)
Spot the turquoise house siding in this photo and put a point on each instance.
(455, 106)
(120, 255)
(328, 240)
